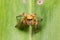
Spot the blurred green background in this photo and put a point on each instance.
(49, 11)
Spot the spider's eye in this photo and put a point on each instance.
(29, 19)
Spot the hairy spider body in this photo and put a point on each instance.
(28, 20)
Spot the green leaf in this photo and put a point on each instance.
(49, 11)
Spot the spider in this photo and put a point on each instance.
(27, 20)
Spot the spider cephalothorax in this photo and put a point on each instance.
(29, 19)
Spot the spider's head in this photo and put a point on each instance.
(29, 18)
